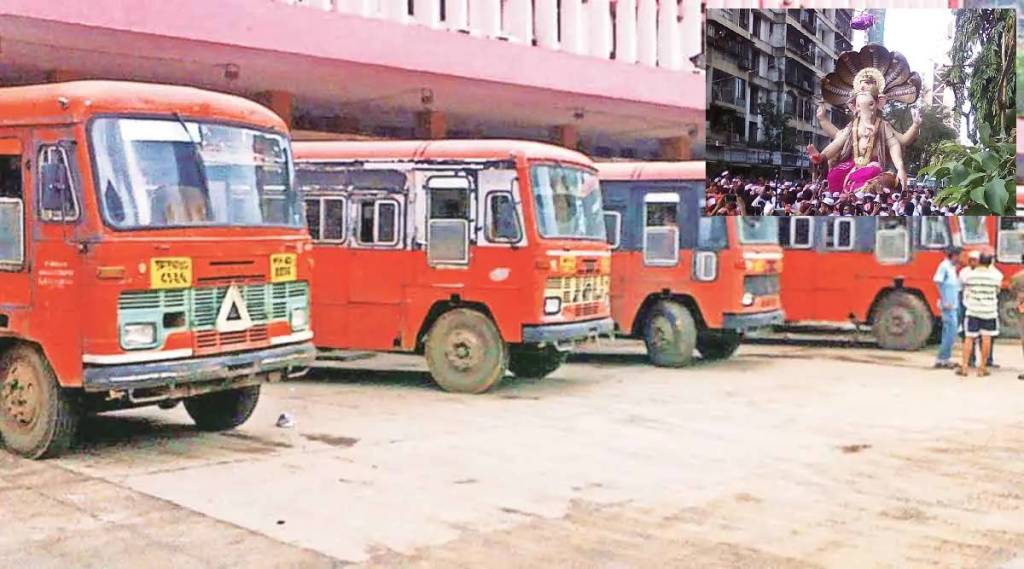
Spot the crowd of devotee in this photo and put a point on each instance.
(734, 194)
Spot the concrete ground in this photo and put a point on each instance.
(785, 456)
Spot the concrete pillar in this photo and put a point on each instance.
(485, 18)
(518, 18)
(599, 18)
(432, 125)
(364, 8)
(675, 148)
(574, 39)
(625, 31)
(669, 49)
(427, 12)
(690, 29)
(396, 10)
(545, 23)
(278, 101)
(647, 32)
(567, 135)
(457, 14)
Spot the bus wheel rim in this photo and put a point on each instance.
(464, 350)
(661, 331)
(898, 322)
(20, 397)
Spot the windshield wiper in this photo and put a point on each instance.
(196, 154)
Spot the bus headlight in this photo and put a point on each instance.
(134, 336)
(299, 319)
(748, 299)
(552, 305)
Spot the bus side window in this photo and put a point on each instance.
(613, 228)
(502, 219)
(378, 222)
(839, 235)
(12, 231)
(56, 194)
(313, 219)
(448, 223)
(333, 227)
(661, 233)
(934, 234)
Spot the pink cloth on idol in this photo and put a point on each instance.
(840, 178)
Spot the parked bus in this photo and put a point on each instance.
(682, 281)
(482, 255)
(1009, 238)
(152, 250)
(871, 270)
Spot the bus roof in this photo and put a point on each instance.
(76, 101)
(491, 149)
(651, 171)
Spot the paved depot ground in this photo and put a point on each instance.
(785, 456)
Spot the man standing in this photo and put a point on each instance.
(948, 283)
(981, 305)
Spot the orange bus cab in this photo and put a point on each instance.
(483, 255)
(152, 250)
(871, 270)
(680, 281)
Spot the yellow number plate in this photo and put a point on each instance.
(567, 264)
(170, 272)
(284, 267)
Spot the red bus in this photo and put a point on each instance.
(871, 270)
(1009, 239)
(682, 281)
(152, 250)
(484, 255)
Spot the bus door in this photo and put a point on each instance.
(14, 229)
(56, 256)
(836, 277)
(615, 196)
(380, 266)
(799, 273)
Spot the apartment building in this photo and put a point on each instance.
(776, 56)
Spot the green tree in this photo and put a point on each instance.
(935, 128)
(982, 70)
(979, 177)
(777, 130)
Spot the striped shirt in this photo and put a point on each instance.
(981, 291)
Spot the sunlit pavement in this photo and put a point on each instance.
(784, 456)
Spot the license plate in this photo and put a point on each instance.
(284, 267)
(170, 272)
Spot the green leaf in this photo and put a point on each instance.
(957, 174)
(996, 195)
(978, 194)
(977, 210)
(976, 179)
(990, 160)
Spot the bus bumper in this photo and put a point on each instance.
(752, 321)
(572, 331)
(236, 369)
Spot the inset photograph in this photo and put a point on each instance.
(846, 112)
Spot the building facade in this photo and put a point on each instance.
(776, 57)
(613, 78)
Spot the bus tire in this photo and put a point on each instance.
(465, 352)
(1009, 318)
(670, 334)
(719, 345)
(529, 361)
(223, 410)
(38, 418)
(902, 322)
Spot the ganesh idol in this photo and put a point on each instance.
(860, 155)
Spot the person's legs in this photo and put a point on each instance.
(986, 349)
(968, 348)
(948, 337)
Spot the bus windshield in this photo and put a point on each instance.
(153, 173)
(758, 230)
(568, 202)
(973, 230)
